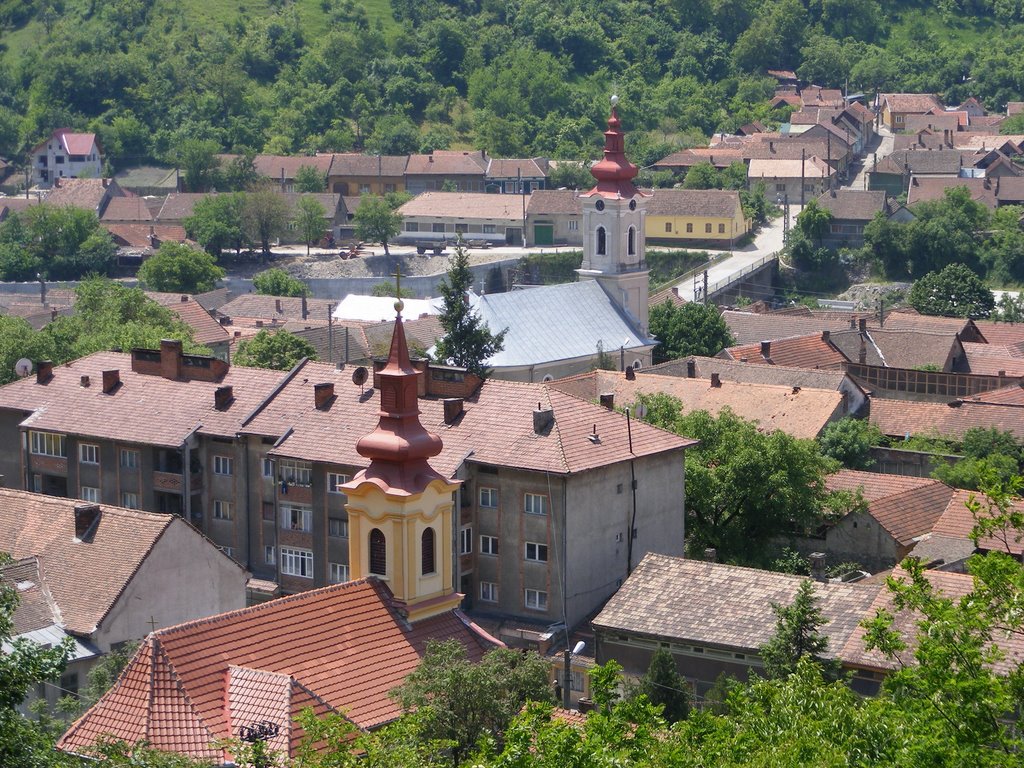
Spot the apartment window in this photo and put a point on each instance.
(269, 555)
(780, 187)
(488, 592)
(427, 552)
(297, 562)
(461, 229)
(294, 472)
(37, 483)
(721, 229)
(689, 226)
(334, 482)
(489, 498)
(268, 511)
(223, 465)
(466, 540)
(337, 573)
(129, 459)
(297, 517)
(130, 500)
(49, 444)
(268, 467)
(378, 553)
(536, 553)
(536, 599)
(89, 493)
(489, 229)
(437, 227)
(535, 504)
(364, 189)
(88, 453)
(221, 510)
(668, 227)
(59, 159)
(707, 228)
(337, 528)
(488, 545)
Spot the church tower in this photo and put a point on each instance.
(613, 228)
(399, 508)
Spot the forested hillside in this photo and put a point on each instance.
(514, 77)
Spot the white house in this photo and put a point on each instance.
(66, 154)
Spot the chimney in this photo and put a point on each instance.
(826, 335)
(691, 369)
(716, 380)
(452, 409)
(223, 397)
(543, 418)
(84, 381)
(170, 358)
(771, 146)
(818, 566)
(607, 400)
(862, 354)
(853, 323)
(44, 371)
(323, 394)
(305, 307)
(86, 517)
(1001, 374)
(862, 324)
(277, 306)
(766, 349)
(184, 298)
(630, 373)
(111, 381)
(711, 555)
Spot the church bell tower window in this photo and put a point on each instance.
(602, 242)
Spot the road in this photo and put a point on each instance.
(767, 242)
(881, 147)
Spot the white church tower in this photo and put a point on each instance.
(613, 228)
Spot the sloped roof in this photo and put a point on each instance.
(853, 204)
(88, 194)
(447, 162)
(732, 370)
(693, 202)
(72, 142)
(343, 647)
(274, 165)
(725, 606)
(669, 293)
(896, 347)
(127, 209)
(957, 521)
(255, 306)
(802, 413)
(496, 426)
(510, 168)
(1011, 394)
(720, 157)
(906, 507)
(935, 161)
(207, 330)
(919, 103)
(85, 579)
(556, 322)
(552, 202)
(464, 205)
(934, 188)
(353, 164)
(904, 319)
(816, 95)
(179, 205)
(143, 409)
(994, 359)
(898, 418)
(751, 327)
(140, 235)
(36, 607)
(797, 352)
(774, 168)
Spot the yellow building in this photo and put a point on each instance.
(695, 216)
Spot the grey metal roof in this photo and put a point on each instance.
(557, 322)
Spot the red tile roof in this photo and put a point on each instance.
(1012, 394)
(918, 103)
(898, 418)
(450, 162)
(258, 307)
(797, 352)
(990, 359)
(906, 507)
(343, 646)
(140, 235)
(957, 521)
(207, 330)
(127, 209)
(88, 194)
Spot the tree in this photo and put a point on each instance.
(849, 441)
(376, 222)
(309, 219)
(281, 351)
(814, 221)
(265, 217)
(216, 222)
(797, 636)
(702, 176)
(665, 687)
(690, 329)
(64, 243)
(571, 176)
(955, 291)
(277, 282)
(467, 342)
(198, 160)
(309, 179)
(461, 702)
(17, 340)
(179, 268)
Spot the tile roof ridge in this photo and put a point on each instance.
(556, 430)
(55, 612)
(477, 629)
(285, 380)
(157, 650)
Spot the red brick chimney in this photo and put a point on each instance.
(170, 358)
(111, 381)
(86, 517)
(322, 395)
(44, 371)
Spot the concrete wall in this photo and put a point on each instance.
(184, 577)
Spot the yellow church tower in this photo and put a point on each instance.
(399, 508)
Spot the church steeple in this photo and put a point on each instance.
(400, 508)
(614, 173)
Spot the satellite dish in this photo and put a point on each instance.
(23, 368)
(360, 375)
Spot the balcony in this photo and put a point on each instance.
(174, 482)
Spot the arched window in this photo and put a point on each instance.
(602, 245)
(631, 242)
(378, 553)
(427, 551)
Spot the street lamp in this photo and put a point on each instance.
(567, 689)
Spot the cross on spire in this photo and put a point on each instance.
(397, 274)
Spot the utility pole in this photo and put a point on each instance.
(705, 287)
(803, 158)
(881, 311)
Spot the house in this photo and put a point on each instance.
(517, 177)
(206, 329)
(816, 96)
(553, 218)
(352, 174)
(690, 216)
(923, 139)
(894, 108)
(284, 168)
(103, 576)
(893, 172)
(695, 367)
(903, 418)
(814, 351)
(824, 143)
(466, 171)
(854, 209)
(137, 242)
(679, 163)
(88, 194)
(66, 155)
(447, 216)
(949, 543)
(797, 411)
(891, 347)
(796, 180)
(753, 327)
